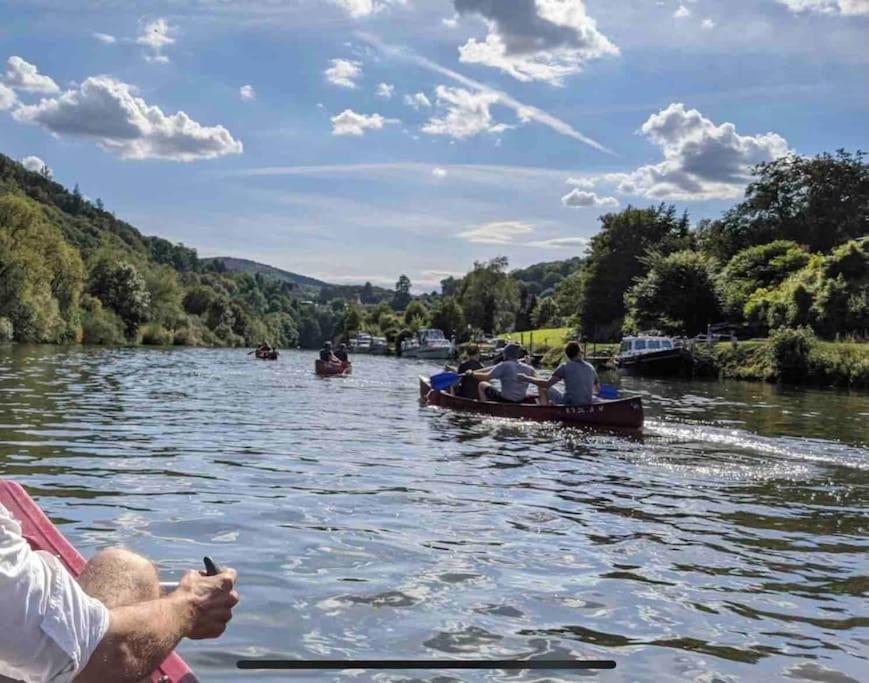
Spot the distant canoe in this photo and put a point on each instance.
(331, 369)
(41, 534)
(267, 355)
(624, 413)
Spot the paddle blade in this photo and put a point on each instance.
(444, 380)
(608, 391)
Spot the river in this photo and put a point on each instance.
(728, 542)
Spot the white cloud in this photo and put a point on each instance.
(157, 35)
(365, 8)
(577, 198)
(108, 111)
(682, 13)
(385, 90)
(7, 97)
(451, 22)
(348, 122)
(467, 114)
(707, 24)
(22, 75)
(246, 92)
(582, 183)
(438, 172)
(105, 38)
(417, 101)
(572, 243)
(701, 160)
(343, 72)
(525, 112)
(33, 163)
(496, 232)
(543, 40)
(844, 7)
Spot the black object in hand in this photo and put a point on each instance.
(211, 568)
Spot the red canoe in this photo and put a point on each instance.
(43, 535)
(624, 413)
(324, 368)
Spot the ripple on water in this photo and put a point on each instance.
(727, 542)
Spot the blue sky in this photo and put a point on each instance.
(362, 139)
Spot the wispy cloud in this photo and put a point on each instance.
(525, 112)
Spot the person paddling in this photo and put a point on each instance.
(579, 377)
(326, 354)
(341, 354)
(510, 373)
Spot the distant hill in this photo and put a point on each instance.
(542, 278)
(241, 265)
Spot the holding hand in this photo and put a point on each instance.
(209, 601)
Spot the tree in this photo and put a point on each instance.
(614, 262)
(415, 315)
(546, 313)
(448, 316)
(676, 295)
(99, 204)
(489, 297)
(122, 288)
(817, 202)
(367, 294)
(402, 297)
(764, 265)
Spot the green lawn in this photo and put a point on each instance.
(549, 337)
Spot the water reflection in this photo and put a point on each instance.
(726, 542)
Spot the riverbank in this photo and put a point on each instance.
(812, 362)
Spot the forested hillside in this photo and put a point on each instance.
(72, 272)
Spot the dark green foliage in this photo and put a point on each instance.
(614, 262)
(541, 279)
(789, 351)
(677, 294)
(489, 297)
(402, 297)
(449, 317)
(546, 314)
(817, 202)
(122, 288)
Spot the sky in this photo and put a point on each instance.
(355, 140)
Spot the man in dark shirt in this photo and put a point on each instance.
(341, 353)
(326, 354)
(468, 386)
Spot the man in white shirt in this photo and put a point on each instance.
(111, 625)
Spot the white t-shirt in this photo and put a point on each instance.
(49, 627)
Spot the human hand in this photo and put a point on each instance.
(209, 601)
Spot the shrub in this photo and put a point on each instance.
(154, 334)
(789, 352)
(99, 325)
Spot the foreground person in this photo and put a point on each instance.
(579, 377)
(112, 625)
(468, 387)
(510, 373)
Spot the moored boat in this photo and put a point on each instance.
(429, 344)
(651, 353)
(624, 413)
(41, 534)
(331, 369)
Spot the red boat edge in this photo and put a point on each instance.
(623, 413)
(331, 369)
(41, 534)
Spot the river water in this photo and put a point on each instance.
(727, 542)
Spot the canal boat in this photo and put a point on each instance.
(41, 534)
(650, 353)
(326, 369)
(624, 413)
(427, 344)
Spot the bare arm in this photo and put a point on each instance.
(541, 382)
(141, 636)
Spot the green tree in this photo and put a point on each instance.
(489, 297)
(817, 202)
(546, 313)
(415, 315)
(402, 297)
(122, 288)
(764, 265)
(677, 294)
(615, 261)
(448, 316)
